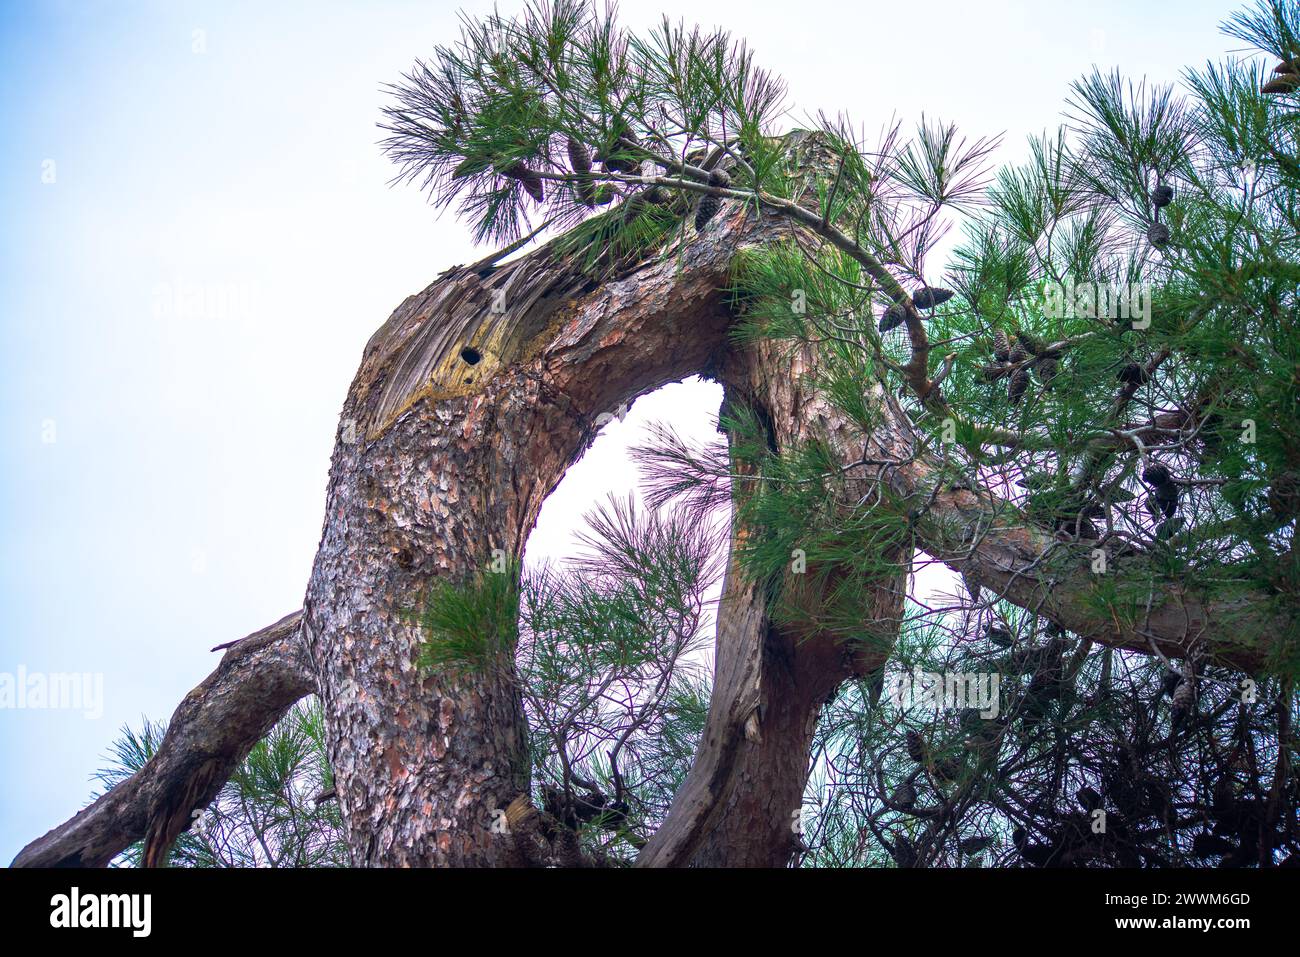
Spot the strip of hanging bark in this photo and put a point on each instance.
(212, 730)
(740, 805)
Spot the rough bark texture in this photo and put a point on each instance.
(801, 667)
(1000, 548)
(257, 681)
(447, 455)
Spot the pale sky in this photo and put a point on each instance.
(199, 238)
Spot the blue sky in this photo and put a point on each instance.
(184, 300)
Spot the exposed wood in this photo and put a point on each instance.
(449, 465)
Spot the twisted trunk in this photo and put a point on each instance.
(469, 405)
(740, 806)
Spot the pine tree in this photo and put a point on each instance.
(1090, 415)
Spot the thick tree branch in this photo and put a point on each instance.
(257, 681)
(1127, 603)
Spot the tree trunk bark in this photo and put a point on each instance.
(258, 680)
(469, 406)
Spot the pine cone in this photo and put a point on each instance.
(1031, 343)
(1170, 681)
(998, 633)
(1046, 369)
(892, 318)
(1164, 499)
(927, 297)
(579, 157)
(992, 373)
(949, 769)
(625, 142)
(1156, 474)
(903, 853)
(1224, 803)
(708, 208)
(1284, 496)
(531, 182)
(1162, 195)
(1206, 845)
(1158, 235)
(1133, 373)
(916, 747)
(905, 796)
(1018, 385)
(1036, 854)
(1282, 83)
(1001, 346)
(1076, 525)
(1184, 701)
(975, 844)
(568, 849)
(1018, 353)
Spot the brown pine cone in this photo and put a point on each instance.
(1001, 346)
(916, 747)
(579, 157)
(1018, 385)
(531, 182)
(708, 208)
(892, 318)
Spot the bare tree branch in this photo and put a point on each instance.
(257, 681)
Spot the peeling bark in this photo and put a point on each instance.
(739, 807)
(450, 464)
(212, 730)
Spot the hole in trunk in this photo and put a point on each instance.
(471, 355)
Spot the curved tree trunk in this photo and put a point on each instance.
(758, 823)
(469, 405)
(740, 806)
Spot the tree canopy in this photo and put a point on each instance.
(1106, 367)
